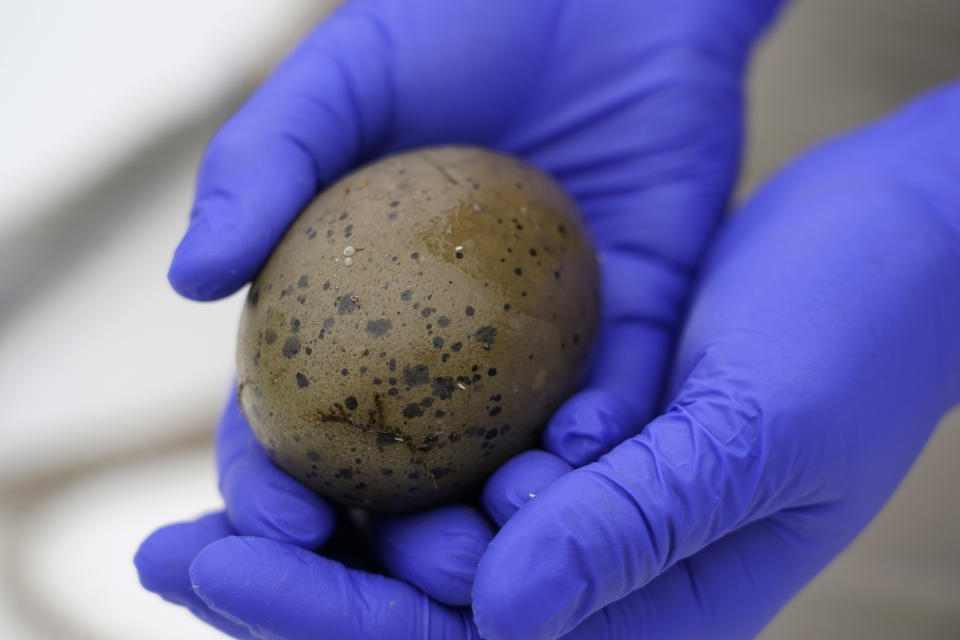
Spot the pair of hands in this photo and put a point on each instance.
(816, 352)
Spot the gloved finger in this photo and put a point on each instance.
(642, 298)
(282, 591)
(163, 561)
(731, 589)
(437, 550)
(261, 499)
(518, 481)
(311, 120)
(604, 530)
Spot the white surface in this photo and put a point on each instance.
(79, 548)
(12, 624)
(86, 83)
(109, 357)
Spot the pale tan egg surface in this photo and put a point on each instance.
(416, 327)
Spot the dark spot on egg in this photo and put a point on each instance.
(412, 410)
(379, 327)
(442, 387)
(291, 347)
(416, 375)
(485, 336)
(347, 304)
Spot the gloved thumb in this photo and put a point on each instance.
(607, 529)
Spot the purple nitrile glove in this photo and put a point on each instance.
(820, 350)
(635, 107)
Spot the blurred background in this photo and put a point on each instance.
(111, 384)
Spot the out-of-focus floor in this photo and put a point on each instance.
(111, 384)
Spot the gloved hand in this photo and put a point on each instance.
(635, 107)
(820, 351)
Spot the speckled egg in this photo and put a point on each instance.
(416, 327)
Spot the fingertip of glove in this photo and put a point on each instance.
(302, 520)
(152, 563)
(437, 550)
(518, 481)
(215, 569)
(588, 425)
(264, 501)
(163, 555)
(203, 267)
